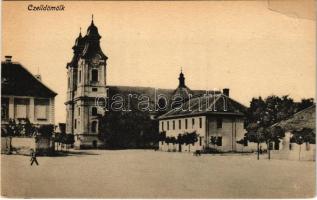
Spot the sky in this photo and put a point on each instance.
(241, 45)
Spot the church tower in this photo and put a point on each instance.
(86, 74)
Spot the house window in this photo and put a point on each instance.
(94, 89)
(21, 108)
(41, 107)
(219, 122)
(186, 123)
(94, 75)
(94, 111)
(200, 141)
(173, 125)
(180, 124)
(193, 122)
(168, 125)
(162, 126)
(68, 82)
(75, 123)
(200, 123)
(79, 77)
(94, 126)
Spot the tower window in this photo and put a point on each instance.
(79, 111)
(94, 111)
(94, 126)
(75, 123)
(186, 123)
(200, 123)
(180, 124)
(94, 75)
(162, 126)
(173, 125)
(193, 122)
(94, 89)
(168, 125)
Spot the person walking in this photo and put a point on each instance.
(33, 157)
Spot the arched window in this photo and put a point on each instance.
(94, 127)
(94, 111)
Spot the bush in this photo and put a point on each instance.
(46, 131)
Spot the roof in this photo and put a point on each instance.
(215, 104)
(303, 119)
(150, 92)
(18, 81)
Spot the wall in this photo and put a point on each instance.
(23, 145)
(87, 142)
(231, 131)
(293, 151)
(170, 132)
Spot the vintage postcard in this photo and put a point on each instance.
(158, 99)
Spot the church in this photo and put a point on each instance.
(86, 73)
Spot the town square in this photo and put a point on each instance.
(132, 99)
(116, 174)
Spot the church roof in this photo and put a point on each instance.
(182, 90)
(18, 81)
(215, 104)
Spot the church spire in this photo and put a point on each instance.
(181, 79)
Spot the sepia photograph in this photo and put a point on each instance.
(158, 99)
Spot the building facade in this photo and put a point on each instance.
(215, 118)
(86, 74)
(24, 96)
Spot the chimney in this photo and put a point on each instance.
(8, 59)
(38, 77)
(225, 91)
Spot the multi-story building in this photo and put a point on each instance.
(213, 117)
(86, 75)
(24, 96)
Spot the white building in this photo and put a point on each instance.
(24, 96)
(210, 116)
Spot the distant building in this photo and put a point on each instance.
(286, 149)
(221, 119)
(24, 96)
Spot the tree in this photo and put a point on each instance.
(190, 138)
(306, 135)
(262, 114)
(273, 134)
(128, 129)
(305, 103)
(46, 131)
(29, 128)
